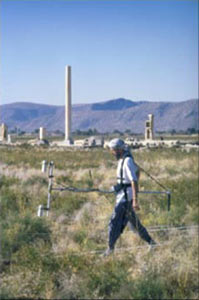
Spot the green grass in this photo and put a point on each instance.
(49, 258)
(17, 232)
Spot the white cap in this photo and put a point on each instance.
(116, 144)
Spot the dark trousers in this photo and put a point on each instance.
(124, 213)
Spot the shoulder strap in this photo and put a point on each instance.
(122, 164)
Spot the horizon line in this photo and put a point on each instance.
(98, 102)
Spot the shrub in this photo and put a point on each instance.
(36, 180)
(67, 203)
(14, 202)
(107, 278)
(6, 294)
(17, 232)
(6, 181)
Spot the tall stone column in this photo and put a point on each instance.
(68, 138)
(3, 132)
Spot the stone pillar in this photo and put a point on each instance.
(68, 138)
(42, 133)
(151, 119)
(4, 132)
(149, 128)
(9, 139)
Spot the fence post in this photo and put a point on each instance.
(168, 200)
(50, 176)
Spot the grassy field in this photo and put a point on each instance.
(58, 257)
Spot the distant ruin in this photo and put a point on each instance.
(149, 128)
(42, 133)
(148, 141)
(3, 133)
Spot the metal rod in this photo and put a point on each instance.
(73, 189)
(50, 184)
(168, 201)
(153, 192)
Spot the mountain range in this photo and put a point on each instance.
(118, 114)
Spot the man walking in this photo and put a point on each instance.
(126, 196)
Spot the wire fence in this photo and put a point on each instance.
(192, 230)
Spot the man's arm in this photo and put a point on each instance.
(134, 186)
(132, 169)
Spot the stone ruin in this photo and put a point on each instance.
(149, 128)
(42, 133)
(41, 140)
(3, 133)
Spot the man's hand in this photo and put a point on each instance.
(135, 205)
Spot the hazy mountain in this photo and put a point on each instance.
(120, 114)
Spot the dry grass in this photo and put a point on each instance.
(66, 266)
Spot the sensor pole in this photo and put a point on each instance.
(50, 183)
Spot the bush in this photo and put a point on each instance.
(13, 202)
(36, 180)
(6, 181)
(68, 203)
(18, 232)
(5, 294)
(107, 278)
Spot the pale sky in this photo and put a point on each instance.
(139, 50)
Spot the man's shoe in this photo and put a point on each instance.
(108, 252)
(152, 245)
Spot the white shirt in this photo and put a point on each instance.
(129, 175)
(129, 170)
